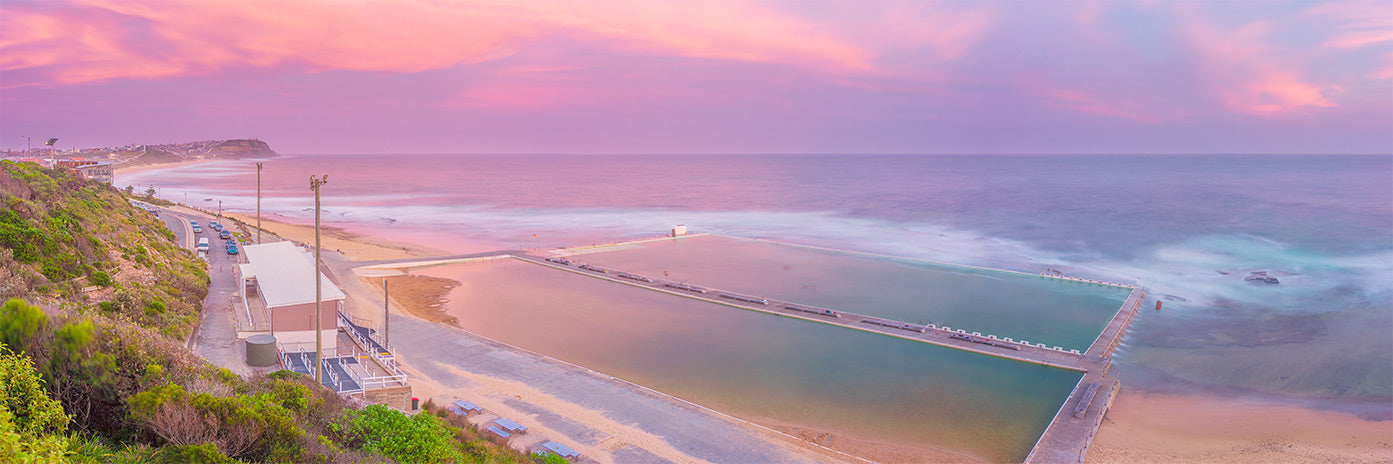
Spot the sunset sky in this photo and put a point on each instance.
(645, 76)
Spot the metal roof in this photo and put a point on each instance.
(283, 274)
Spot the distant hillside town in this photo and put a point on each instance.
(99, 163)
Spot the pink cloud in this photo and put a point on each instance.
(1249, 76)
(1359, 23)
(94, 40)
(946, 33)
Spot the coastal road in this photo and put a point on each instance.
(215, 336)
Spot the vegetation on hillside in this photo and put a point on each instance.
(66, 239)
(93, 368)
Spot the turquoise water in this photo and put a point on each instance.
(1024, 307)
(768, 369)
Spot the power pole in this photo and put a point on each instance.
(318, 332)
(386, 303)
(258, 202)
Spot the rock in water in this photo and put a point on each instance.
(1261, 277)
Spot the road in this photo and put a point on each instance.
(215, 336)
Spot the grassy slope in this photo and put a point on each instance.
(112, 354)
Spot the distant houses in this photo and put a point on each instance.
(101, 171)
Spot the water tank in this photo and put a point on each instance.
(261, 350)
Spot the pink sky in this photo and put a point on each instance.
(643, 76)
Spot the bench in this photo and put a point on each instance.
(466, 406)
(510, 426)
(560, 449)
(499, 432)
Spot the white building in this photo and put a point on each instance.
(279, 280)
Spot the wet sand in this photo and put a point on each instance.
(422, 296)
(1192, 428)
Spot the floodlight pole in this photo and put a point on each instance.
(258, 202)
(318, 332)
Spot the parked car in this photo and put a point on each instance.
(232, 248)
(225, 235)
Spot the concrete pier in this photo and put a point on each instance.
(1068, 436)
(942, 336)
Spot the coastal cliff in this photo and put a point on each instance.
(241, 148)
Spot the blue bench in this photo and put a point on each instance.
(560, 449)
(466, 406)
(499, 432)
(510, 426)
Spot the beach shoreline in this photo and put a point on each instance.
(1199, 428)
(1141, 426)
(129, 168)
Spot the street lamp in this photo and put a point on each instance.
(52, 161)
(318, 332)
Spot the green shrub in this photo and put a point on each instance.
(100, 279)
(25, 399)
(31, 423)
(391, 433)
(19, 322)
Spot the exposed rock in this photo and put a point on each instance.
(1261, 277)
(242, 148)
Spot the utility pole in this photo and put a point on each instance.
(386, 303)
(26, 145)
(258, 202)
(318, 332)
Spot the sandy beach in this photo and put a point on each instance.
(1140, 428)
(1192, 428)
(132, 168)
(352, 246)
(422, 296)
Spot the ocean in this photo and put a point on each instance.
(1188, 228)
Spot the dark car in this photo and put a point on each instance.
(225, 235)
(231, 248)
